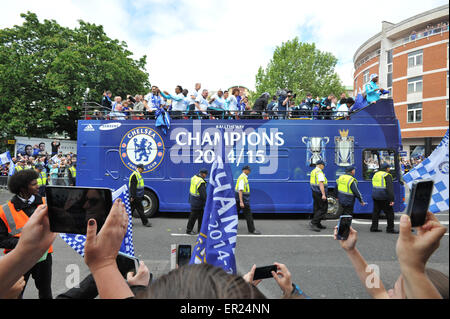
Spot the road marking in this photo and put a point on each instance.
(267, 236)
(385, 222)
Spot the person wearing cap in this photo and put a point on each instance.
(197, 199)
(348, 191)
(319, 187)
(373, 92)
(137, 191)
(242, 194)
(383, 198)
(42, 179)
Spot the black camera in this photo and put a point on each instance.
(286, 93)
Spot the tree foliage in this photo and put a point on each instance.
(302, 68)
(44, 68)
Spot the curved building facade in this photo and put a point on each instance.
(411, 59)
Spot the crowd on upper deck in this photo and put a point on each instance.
(429, 30)
(198, 103)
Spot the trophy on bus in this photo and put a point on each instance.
(344, 151)
(315, 148)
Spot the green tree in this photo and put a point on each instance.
(302, 68)
(45, 68)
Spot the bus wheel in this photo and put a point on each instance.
(334, 209)
(150, 203)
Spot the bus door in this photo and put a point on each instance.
(112, 166)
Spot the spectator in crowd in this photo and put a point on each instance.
(55, 147)
(106, 100)
(42, 151)
(54, 175)
(138, 107)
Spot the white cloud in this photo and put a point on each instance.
(222, 43)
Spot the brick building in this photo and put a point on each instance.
(411, 59)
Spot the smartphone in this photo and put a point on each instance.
(183, 255)
(127, 263)
(419, 200)
(264, 272)
(70, 208)
(345, 221)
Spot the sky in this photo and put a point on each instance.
(223, 43)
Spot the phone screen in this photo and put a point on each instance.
(264, 272)
(344, 227)
(183, 255)
(70, 208)
(126, 263)
(419, 202)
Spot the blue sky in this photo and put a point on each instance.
(223, 43)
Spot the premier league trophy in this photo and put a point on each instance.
(315, 148)
(344, 151)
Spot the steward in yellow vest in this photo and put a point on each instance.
(42, 179)
(319, 187)
(242, 195)
(137, 192)
(348, 191)
(383, 198)
(73, 174)
(13, 217)
(197, 199)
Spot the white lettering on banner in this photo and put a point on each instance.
(242, 145)
(73, 279)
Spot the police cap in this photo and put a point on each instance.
(349, 169)
(203, 171)
(320, 162)
(246, 168)
(140, 166)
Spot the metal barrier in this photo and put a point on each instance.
(3, 182)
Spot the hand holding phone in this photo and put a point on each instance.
(419, 201)
(70, 208)
(183, 255)
(264, 272)
(343, 231)
(127, 263)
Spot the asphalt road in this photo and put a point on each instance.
(317, 263)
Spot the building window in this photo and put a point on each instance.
(414, 113)
(415, 85)
(366, 77)
(415, 58)
(446, 111)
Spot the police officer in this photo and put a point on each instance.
(319, 187)
(13, 217)
(136, 186)
(42, 179)
(348, 191)
(383, 198)
(197, 198)
(242, 195)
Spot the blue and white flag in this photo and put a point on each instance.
(435, 167)
(162, 119)
(216, 242)
(5, 158)
(77, 241)
(12, 168)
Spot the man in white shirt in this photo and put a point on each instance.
(233, 104)
(193, 94)
(201, 104)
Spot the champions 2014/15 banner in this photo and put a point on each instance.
(436, 168)
(77, 241)
(216, 242)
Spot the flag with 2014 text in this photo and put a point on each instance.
(216, 242)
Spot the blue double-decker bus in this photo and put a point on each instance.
(279, 151)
